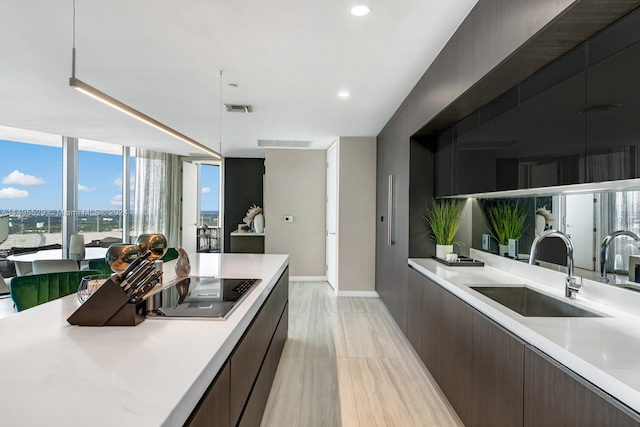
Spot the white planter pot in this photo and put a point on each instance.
(443, 250)
(540, 223)
(503, 250)
(258, 223)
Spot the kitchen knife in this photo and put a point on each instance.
(133, 265)
(136, 275)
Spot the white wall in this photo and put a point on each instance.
(295, 184)
(356, 215)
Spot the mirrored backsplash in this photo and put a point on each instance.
(587, 218)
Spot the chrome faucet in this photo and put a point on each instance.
(570, 285)
(604, 251)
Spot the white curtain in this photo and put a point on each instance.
(157, 192)
(621, 212)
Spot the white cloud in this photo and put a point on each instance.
(118, 182)
(18, 178)
(206, 190)
(12, 193)
(86, 189)
(116, 200)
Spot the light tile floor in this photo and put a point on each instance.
(346, 363)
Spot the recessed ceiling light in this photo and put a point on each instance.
(343, 94)
(360, 10)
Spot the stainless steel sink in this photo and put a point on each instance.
(527, 302)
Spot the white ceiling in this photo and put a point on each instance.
(289, 59)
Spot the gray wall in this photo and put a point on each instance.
(356, 214)
(295, 184)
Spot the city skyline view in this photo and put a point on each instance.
(31, 181)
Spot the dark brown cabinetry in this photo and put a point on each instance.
(492, 378)
(392, 239)
(414, 309)
(239, 394)
(431, 353)
(251, 367)
(556, 396)
(456, 354)
(571, 122)
(213, 410)
(497, 383)
(247, 243)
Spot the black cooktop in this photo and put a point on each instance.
(202, 297)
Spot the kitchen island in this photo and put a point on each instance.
(153, 374)
(493, 363)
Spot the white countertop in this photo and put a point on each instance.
(153, 374)
(245, 233)
(605, 351)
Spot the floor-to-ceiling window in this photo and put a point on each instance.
(31, 194)
(209, 195)
(100, 183)
(209, 234)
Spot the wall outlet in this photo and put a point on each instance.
(288, 218)
(485, 242)
(513, 248)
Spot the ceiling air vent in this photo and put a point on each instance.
(283, 143)
(232, 108)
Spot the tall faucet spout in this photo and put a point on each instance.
(571, 287)
(604, 250)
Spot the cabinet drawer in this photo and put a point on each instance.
(250, 352)
(213, 410)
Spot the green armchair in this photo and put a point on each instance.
(36, 289)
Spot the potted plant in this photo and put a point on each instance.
(443, 217)
(507, 220)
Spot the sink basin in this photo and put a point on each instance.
(530, 303)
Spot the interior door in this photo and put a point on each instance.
(579, 225)
(190, 212)
(332, 213)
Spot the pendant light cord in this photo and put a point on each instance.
(220, 113)
(73, 42)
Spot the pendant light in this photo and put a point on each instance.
(124, 108)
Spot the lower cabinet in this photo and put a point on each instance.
(238, 395)
(456, 354)
(214, 407)
(491, 377)
(555, 395)
(415, 286)
(497, 381)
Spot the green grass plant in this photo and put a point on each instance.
(507, 220)
(443, 217)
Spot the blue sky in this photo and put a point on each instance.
(210, 187)
(31, 178)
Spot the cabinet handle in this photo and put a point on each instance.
(390, 213)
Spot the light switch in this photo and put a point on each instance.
(288, 218)
(485, 242)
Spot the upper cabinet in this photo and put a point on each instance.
(574, 121)
(551, 144)
(613, 128)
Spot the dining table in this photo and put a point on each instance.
(55, 254)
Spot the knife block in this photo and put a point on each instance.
(109, 306)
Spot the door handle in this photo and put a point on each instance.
(332, 233)
(390, 212)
